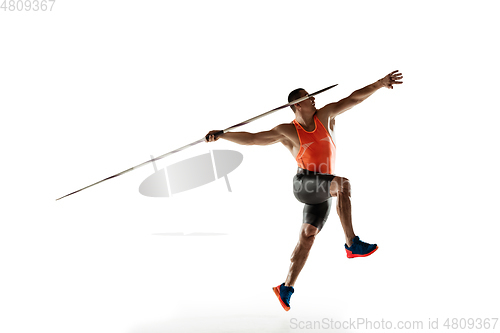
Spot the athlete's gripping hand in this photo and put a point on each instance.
(390, 79)
(212, 136)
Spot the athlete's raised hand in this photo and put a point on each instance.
(392, 78)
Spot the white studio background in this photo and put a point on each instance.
(92, 88)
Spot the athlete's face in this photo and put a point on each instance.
(307, 105)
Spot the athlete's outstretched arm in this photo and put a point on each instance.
(244, 138)
(334, 109)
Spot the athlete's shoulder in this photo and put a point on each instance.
(285, 127)
(326, 112)
(287, 130)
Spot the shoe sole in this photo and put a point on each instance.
(350, 255)
(277, 293)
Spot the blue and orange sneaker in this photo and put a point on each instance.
(284, 293)
(359, 248)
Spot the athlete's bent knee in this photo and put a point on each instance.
(340, 185)
(345, 187)
(307, 241)
(308, 230)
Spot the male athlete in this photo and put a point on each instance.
(309, 140)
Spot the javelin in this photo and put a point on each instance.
(206, 138)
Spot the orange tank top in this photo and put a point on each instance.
(317, 150)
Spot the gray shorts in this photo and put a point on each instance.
(313, 189)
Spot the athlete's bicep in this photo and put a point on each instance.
(334, 109)
(268, 137)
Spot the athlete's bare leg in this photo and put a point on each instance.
(299, 256)
(341, 188)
